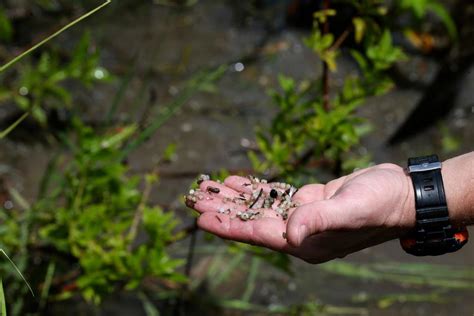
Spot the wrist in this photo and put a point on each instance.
(409, 207)
(458, 178)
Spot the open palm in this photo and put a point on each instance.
(348, 214)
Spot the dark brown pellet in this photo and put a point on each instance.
(274, 193)
(189, 202)
(213, 189)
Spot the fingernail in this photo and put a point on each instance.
(302, 233)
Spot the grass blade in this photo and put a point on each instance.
(195, 84)
(55, 34)
(252, 278)
(150, 309)
(47, 177)
(47, 285)
(2, 300)
(18, 198)
(10, 128)
(18, 271)
(124, 83)
(440, 276)
(230, 267)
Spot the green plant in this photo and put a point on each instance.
(90, 216)
(94, 190)
(39, 85)
(7, 29)
(317, 124)
(92, 223)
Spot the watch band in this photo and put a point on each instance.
(434, 234)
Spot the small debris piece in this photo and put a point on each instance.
(219, 219)
(284, 235)
(248, 215)
(202, 178)
(189, 201)
(268, 202)
(213, 189)
(291, 191)
(257, 197)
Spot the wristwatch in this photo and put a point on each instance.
(434, 234)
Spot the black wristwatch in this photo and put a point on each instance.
(434, 234)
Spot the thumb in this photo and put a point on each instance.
(319, 216)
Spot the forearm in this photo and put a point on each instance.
(458, 178)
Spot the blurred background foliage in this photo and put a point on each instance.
(94, 231)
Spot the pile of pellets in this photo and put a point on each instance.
(278, 199)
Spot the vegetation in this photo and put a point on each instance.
(317, 122)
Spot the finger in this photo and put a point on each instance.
(244, 185)
(309, 193)
(267, 232)
(217, 189)
(321, 216)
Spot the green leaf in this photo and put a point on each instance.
(119, 137)
(359, 28)
(6, 28)
(322, 15)
(326, 41)
(38, 114)
(445, 17)
(150, 309)
(3, 303)
(286, 83)
(417, 7)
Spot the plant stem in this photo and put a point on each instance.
(138, 214)
(192, 245)
(12, 126)
(338, 42)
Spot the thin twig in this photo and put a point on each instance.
(258, 197)
(192, 245)
(341, 38)
(138, 214)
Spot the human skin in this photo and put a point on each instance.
(360, 210)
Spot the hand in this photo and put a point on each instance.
(348, 214)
